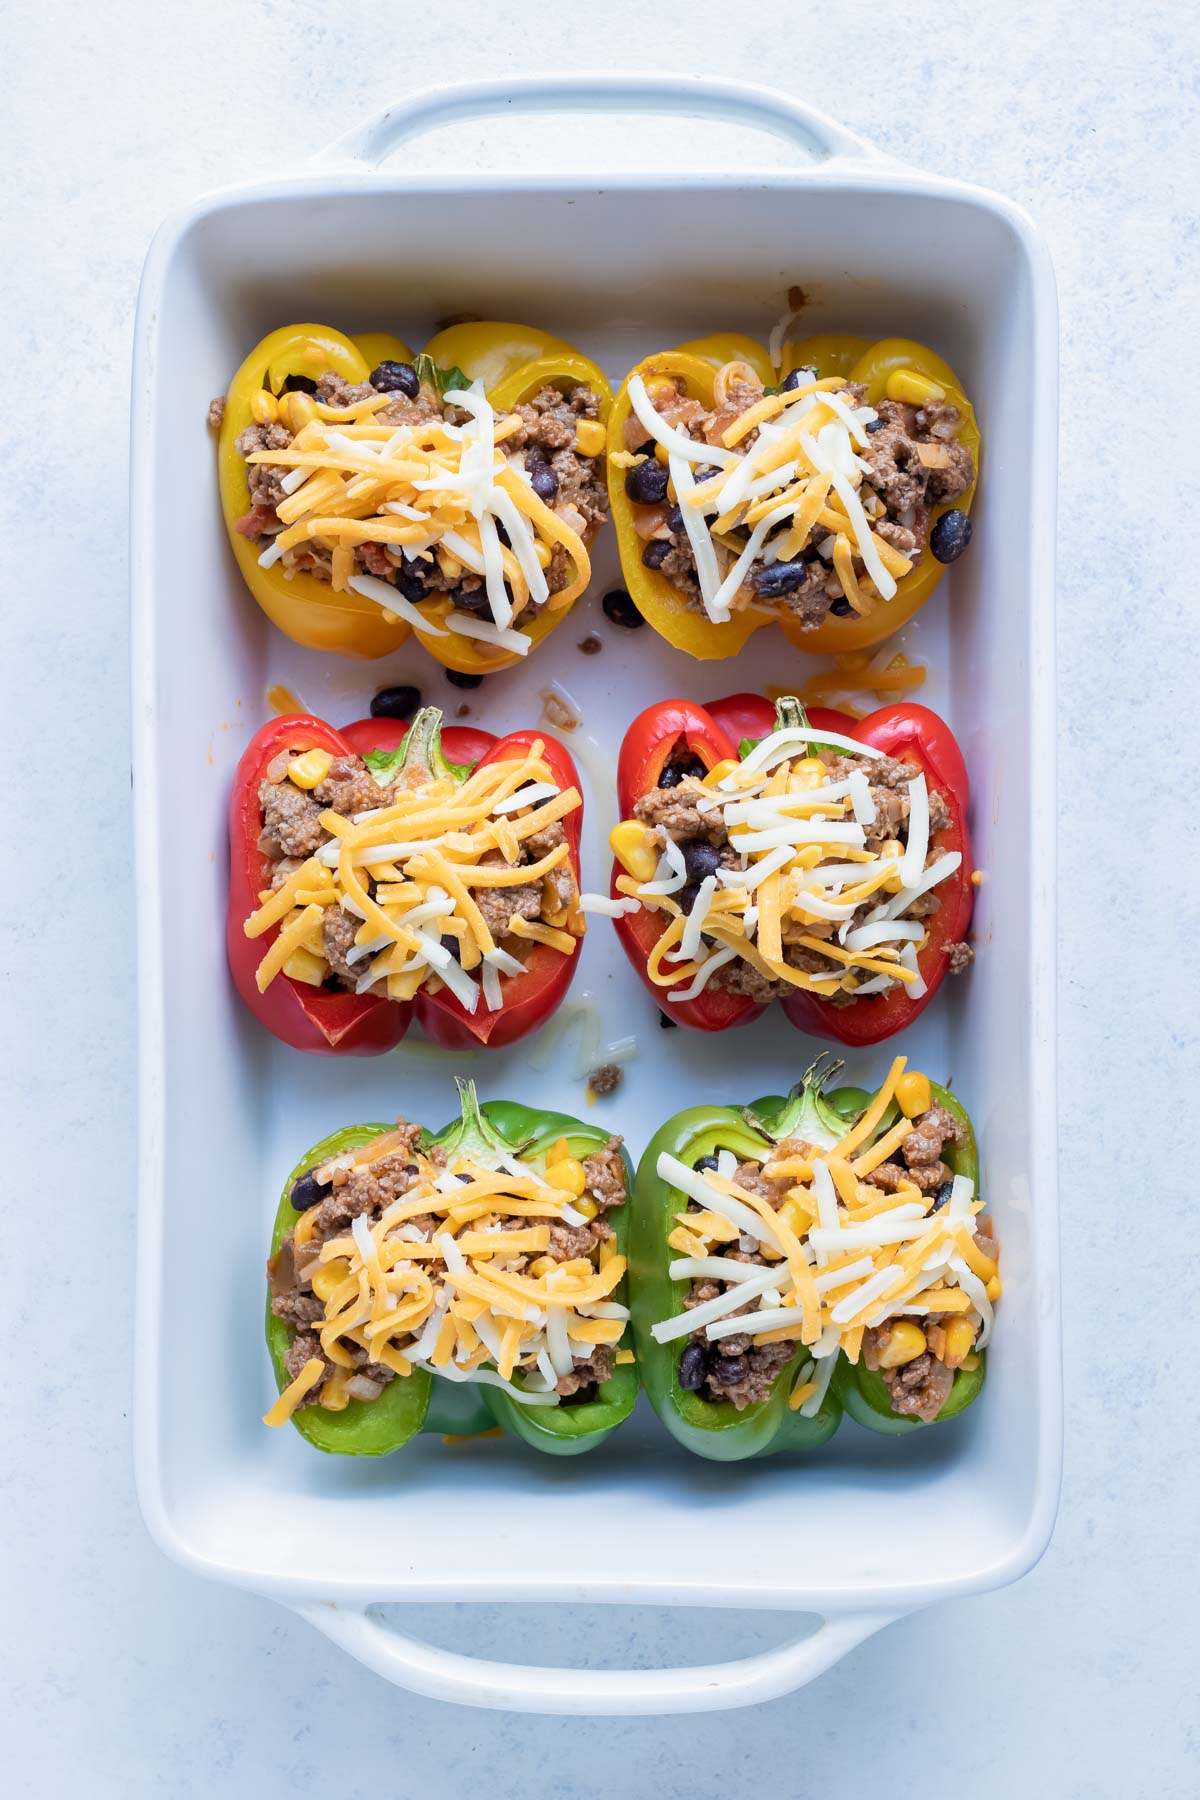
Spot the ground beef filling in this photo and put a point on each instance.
(734, 1368)
(350, 1194)
(920, 1387)
(572, 484)
(292, 831)
(671, 810)
(915, 463)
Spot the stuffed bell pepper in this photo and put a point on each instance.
(806, 1254)
(764, 854)
(385, 873)
(369, 491)
(826, 494)
(453, 1282)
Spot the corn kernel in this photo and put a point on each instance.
(917, 390)
(660, 388)
(994, 1289)
(634, 848)
(971, 1362)
(913, 1094)
(810, 771)
(662, 454)
(589, 437)
(297, 411)
(307, 770)
(719, 771)
(568, 1175)
(960, 1338)
(587, 1206)
(906, 1342)
(303, 965)
(264, 408)
(329, 1277)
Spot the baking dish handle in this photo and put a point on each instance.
(739, 102)
(623, 1693)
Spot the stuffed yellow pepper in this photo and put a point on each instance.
(827, 494)
(369, 491)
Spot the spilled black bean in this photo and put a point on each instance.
(619, 609)
(395, 703)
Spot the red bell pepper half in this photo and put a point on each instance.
(714, 733)
(345, 1024)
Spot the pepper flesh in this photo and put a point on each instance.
(696, 362)
(512, 361)
(862, 1391)
(714, 733)
(715, 1429)
(423, 1401)
(313, 1019)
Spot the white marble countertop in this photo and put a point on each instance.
(125, 1676)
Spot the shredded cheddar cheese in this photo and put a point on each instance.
(429, 851)
(799, 482)
(452, 1276)
(801, 875)
(425, 492)
(840, 1256)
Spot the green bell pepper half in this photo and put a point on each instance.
(862, 1391)
(716, 1428)
(425, 1401)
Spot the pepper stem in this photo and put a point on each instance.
(420, 757)
(805, 1114)
(474, 1135)
(789, 714)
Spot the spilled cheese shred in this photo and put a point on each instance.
(840, 1257)
(430, 850)
(454, 1276)
(426, 492)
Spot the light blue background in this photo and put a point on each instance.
(124, 1677)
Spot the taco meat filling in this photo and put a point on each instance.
(388, 1218)
(911, 1294)
(384, 482)
(321, 877)
(817, 508)
(821, 877)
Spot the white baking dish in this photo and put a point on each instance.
(872, 1528)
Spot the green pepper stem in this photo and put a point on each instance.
(805, 1113)
(474, 1134)
(789, 714)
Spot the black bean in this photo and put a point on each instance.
(396, 378)
(410, 582)
(459, 679)
(656, 553)
(619, 609)
(666, 1024)
(692, 1368)
(675, 524)
(647, 484)
(941, 1196)
(874, 425)
(728, 1370)
(395, 703)
(646, 449)
(544, 483)
(950, 536)
(705, 1162)
(411, 1169)
(307, 1191)
(700, 860)
(706, 472)
(841, 607)
(796, 378)
(299, 384)
(771, 579)
(466, 1180)
(451, 943)
(679, 766)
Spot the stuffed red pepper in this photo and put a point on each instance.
(385, 873)
(764, 855)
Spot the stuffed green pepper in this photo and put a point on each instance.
(806, 1254)
(453, 1282)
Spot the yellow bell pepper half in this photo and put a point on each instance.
(512, 361)
(859, 360)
